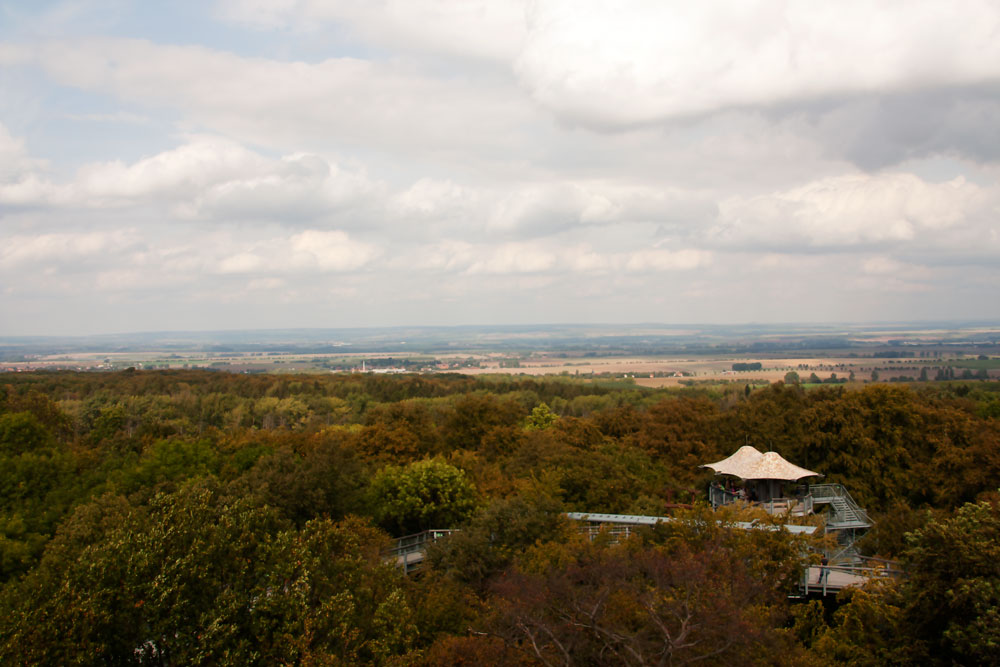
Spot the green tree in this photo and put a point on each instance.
(541, 418)
(865, 628)
(423, 495)
(198, 578)
(21, 432)
(35, 489)
(953, 592)
(791, 377)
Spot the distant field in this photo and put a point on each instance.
(666, 372)
(645, 371)
(648, 355)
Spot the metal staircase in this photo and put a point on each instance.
(845, 519)
(845, 514)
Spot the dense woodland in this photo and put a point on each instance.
(204, 518)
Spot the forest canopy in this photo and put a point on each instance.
(187, 517)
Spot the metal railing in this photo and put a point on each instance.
(410, 550)
(846, 512)
(817, 578)
(617, 531)
(803, 504)
(718, 496)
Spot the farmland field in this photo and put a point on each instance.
(645, 355)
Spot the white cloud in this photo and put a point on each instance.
(14, 160)
(547, 257)
(297, 186)
(514, 258)
(179, 174)
(131, 261)
(538, 209)
(629, 157)
(452, 256)
(485, 29)
(335, 103)
(62, 248)
(242, 262)
(329, 251)
(852, 210)
(889, 283)
(139, 279)
(583, 259)
(209, 178)
(667, 260)
(119, 117)
(552, 206)
(638, 61)
(309, 251)
(31, 189)
(881, 265)
(261, 284)
(429, 200)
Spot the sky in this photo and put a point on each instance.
(246, 164)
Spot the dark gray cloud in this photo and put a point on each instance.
(875, 132)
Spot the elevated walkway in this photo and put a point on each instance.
(624, 524)
(831, 579)
(410, 551)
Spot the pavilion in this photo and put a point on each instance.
(763, 478)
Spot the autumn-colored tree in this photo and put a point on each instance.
(491, 541)
(683, 431)
(324, 478)
(639, 604)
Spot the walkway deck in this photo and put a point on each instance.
(839, 577)
(410, 552)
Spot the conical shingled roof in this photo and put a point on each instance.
(748, 463)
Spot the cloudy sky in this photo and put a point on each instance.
(223, 164)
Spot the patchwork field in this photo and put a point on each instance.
(645, 354)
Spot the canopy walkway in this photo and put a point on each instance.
(409, 552)
(831, 579)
